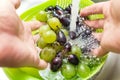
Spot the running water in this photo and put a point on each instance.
(87, 43)
(74, 13)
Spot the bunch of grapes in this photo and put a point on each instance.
(55, 36)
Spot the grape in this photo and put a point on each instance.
(76, 50)
(68, 8)
(50, 8)
(65, 21)
(56, 64)
(84, 49)
(58, 8)
(83, 70)
(88, 31)
(68, 70)
(73, 59)
(49, 36)
(61, 38)
(41, 43)
(42, 16)
(72, 34)
(47, 54)
(54, 23)
(68, 46)
(43, 29)
(55, 14)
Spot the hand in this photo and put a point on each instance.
(17, 43)
(109, 38)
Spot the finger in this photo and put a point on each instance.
(33, 24)
(42, 64)
(35, 61)
(98, 36)
(16, 3)
(36, 37)
(94, 9)
(96, 23)
(99, 52)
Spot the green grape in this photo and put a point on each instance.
(54, 23)
(68, 70)
(47, 54)
(41, 43)
(65, 32)
(76, 50)
(42, 16)
(83, 70)
(49, 36)
(43, 29)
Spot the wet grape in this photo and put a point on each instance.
(56, 64)
(54, 23)
(88, 31)
(41, 43)
(43, 29)
(76, 50)
(83, 70)
(61, 38)
(67, 47)
(55, 14)
(68, 70)
(42, 16)
(50, 8)
(68, 8)
(47, 51)
(72, 35)
(49, 36)
(73, 59)
(58, 8)
(65, 21)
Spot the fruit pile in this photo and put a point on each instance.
(66, 51)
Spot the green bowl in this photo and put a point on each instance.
(32, 73)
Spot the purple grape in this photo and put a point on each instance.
(56, 64)
(61, 38)
(50, 8)
(68, 47)
(72, 35)
(58, 8)
(73, 59)
(88, 31)
(68, 8)
(65, 21)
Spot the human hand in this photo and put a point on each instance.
(109, 38)
(17, 43)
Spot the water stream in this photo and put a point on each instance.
(74, 14)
